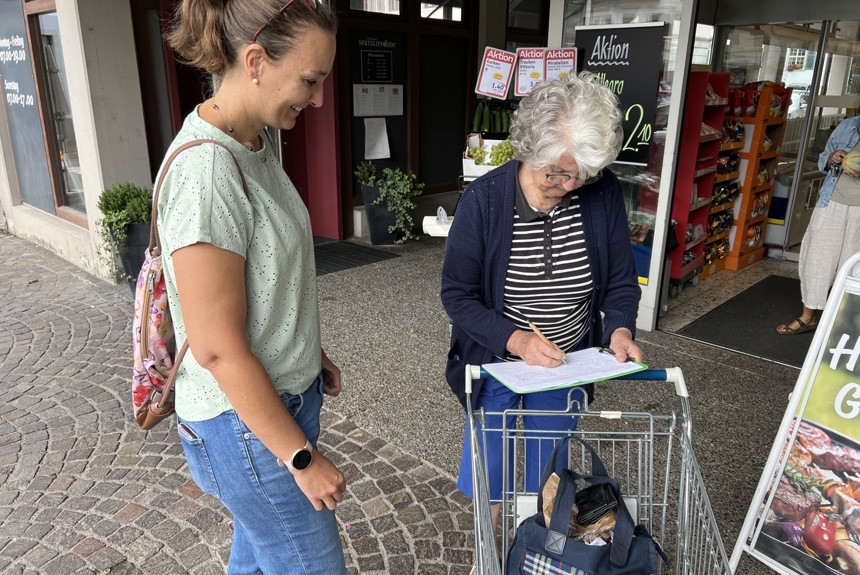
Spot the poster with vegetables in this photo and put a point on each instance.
(496, 71)
(809, 520)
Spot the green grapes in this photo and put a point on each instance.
(477, 154)
(501, 153)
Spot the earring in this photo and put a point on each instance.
(256, 80)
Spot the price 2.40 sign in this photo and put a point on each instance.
(627, 60)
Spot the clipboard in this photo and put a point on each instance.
(583, 366)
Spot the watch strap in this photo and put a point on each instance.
(289, 462)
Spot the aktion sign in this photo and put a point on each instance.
(496, 71)
(531, 70)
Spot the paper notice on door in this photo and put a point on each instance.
(584, 366)
(375, 139)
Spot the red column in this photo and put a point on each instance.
(311, 158)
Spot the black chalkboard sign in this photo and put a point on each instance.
(627, 59)
(22, 112)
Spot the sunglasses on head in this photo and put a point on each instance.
(311, 4)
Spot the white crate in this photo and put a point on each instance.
(470, 168)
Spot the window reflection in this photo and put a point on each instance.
(641, 184)
(57, 92)
(377, 6)
(445, 10)
(525, 14)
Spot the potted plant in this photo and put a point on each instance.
(124, 228)
(388, 201)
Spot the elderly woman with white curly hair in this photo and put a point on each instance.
(542, 239)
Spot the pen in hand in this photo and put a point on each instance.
(544, 339)
(609, 351)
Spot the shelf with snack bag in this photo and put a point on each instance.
(725, 177)
(729, 145)
(714, 254)
(720, 221)
(698, 170)
(726, 190)
(758, 102)
(761, 109)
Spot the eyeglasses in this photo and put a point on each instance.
(557, 179)
(311, 4)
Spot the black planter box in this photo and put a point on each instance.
(133, 253)
(379, 219)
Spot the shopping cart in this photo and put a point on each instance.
(651, 456)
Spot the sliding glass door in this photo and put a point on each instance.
(820, 62)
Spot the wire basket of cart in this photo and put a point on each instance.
(650, 456)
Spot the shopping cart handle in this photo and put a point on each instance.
(645, 375)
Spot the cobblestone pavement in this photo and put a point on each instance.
(83, 490)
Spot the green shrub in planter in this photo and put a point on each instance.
(396, 190)
(122, 206)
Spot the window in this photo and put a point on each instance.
(641, 184)
(444, 10)
(795, 59)
(57, 100)
(526, 14)
(377, 6)
(702, 43)
(527, 23)
(52, 89)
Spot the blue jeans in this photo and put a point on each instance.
(495, 397)
(276, 530)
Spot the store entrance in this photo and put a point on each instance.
(819, 62)
(739, 307)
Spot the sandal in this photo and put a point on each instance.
(802, 327)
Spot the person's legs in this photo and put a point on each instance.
(549, 428)
(822, 245)
(493, 398)
(851, 240)
(276, 529)
(820, 255)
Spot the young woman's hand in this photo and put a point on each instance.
(321, 482)
(331, 377)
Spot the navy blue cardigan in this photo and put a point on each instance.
(476, 263)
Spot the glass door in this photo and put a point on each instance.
(834, 94)
(819, 61)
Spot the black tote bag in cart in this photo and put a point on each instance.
(540, 549)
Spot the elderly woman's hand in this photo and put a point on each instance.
(533, 350)
(622, 344)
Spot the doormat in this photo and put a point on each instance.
(747, 322)
(338, 256)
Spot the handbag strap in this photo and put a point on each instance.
(155, 242)
(597, 467)
(622, 535)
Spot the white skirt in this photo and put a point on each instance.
(832, 237)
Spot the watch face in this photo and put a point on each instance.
(302, 459)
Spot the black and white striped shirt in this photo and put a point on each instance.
(549, 281)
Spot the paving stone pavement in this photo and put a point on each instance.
(83, 490)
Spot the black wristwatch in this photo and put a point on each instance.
(300, 459)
